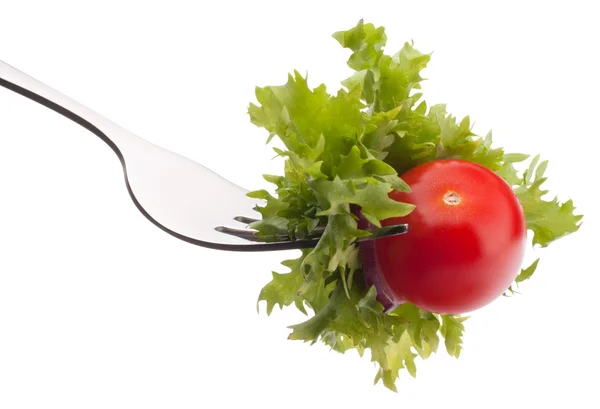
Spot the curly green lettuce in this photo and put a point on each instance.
(348, 149)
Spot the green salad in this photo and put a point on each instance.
(373, 153)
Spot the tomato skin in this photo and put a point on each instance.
(466, 238)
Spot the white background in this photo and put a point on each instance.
(100, 309)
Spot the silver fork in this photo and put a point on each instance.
(178, 195)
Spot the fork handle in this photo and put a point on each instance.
(115, 136)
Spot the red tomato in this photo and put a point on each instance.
(466, 239)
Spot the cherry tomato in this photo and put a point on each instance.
(466, 239)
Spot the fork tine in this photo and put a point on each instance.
(244, 219)
(247, 234)
(250, 235)
(386, 231)
(317, 231)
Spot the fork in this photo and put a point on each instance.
(179, 196)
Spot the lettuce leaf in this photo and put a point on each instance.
(347, 149)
